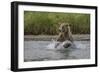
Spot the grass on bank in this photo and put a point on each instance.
(47, 23)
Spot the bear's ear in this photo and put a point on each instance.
(59, 23)
(67, 24)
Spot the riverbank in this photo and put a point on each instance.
(76, 37)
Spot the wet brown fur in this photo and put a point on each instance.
(65, 33)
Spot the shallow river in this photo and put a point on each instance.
(37, 51)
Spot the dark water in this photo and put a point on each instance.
(37, 51)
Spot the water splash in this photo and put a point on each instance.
(58, 45)
(52, 45)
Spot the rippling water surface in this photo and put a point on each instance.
(37, 51)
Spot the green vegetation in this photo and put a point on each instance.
(47, 23)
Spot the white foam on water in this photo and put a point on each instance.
(52, 45)
(56, 45)
(75, 44)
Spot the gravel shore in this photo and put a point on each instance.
(49, 37)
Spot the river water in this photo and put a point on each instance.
(37, 51)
